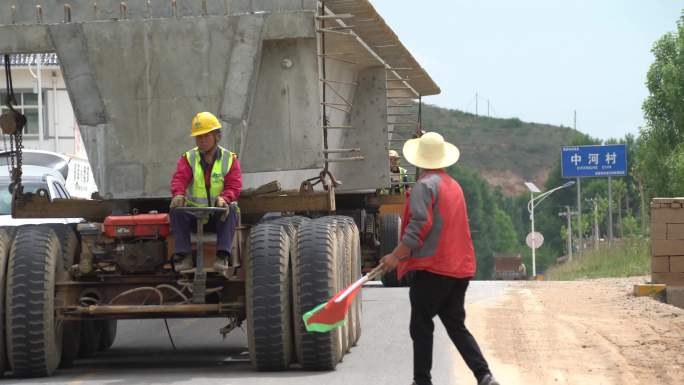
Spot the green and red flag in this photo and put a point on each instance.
(330, 315)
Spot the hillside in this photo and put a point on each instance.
(506, 152)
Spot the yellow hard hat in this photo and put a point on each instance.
(204, 122)
(393, 154)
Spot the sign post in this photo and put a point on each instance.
(594, 161)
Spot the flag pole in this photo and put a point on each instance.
(372, 274)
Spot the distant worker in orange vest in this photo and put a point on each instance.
(435, 241)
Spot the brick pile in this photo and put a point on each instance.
(667, 241)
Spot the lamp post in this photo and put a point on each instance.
(530, 208)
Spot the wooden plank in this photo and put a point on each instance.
(269, 187)
(677, 264)
(386, 199)
(666, 247)
(660, 264)
(320, 201)
(40, 207)
(670, 279)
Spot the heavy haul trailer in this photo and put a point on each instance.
(299, 86)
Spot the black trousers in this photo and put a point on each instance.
(436, 295)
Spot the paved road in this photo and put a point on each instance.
(142, 353)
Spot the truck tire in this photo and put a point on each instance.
(355, 266)
(108, 334)
(355, 262)
(72, 329)
(390, 229)
(294, 220)
(71, 343)
(91, 334)
(316, 278)
(344, 256)
(34, 337)
(11, 230)
(269, 308)
(5, 247)
(68, 243)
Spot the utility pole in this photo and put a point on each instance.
(580, 245)
(477, 99)
(596, 228)
(610, 211)
(488, 108)
(574, 120)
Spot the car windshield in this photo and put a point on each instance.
(6, 196)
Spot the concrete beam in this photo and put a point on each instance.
(25, 39)
(53, 12)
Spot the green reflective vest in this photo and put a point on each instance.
(196, 194)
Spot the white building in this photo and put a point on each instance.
(42, 97)
(51, 125)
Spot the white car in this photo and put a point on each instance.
(49, 179)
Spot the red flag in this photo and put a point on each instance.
(330, 315)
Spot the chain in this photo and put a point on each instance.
(16, 138)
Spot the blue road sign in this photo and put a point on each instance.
(594, 161)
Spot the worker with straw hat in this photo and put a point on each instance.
(435, 242)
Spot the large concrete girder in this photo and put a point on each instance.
(53, 11)
(136, 84)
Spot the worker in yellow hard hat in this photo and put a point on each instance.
(398, 175)
(206, 176)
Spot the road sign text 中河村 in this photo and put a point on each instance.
(594, 161)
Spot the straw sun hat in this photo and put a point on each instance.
(430, 151)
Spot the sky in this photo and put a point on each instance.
(538, 60)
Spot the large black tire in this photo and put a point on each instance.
(71, 343)
(34, 337)
(108, 334)
(5, 248)
(317, 279)
(91, 334)
(68, 242)
(390, 230)
(355, 262)
(344, 256)
(269, 307)
(69, 246)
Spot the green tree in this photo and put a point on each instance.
(661, 155)
(506, 240)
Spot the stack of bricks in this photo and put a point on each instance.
(667, 241)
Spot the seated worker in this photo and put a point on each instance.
(206, 176)
(399, 181)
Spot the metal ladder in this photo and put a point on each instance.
(329, 23)
(403, 117)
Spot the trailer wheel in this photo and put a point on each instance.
(34, 337)
(390, 229)
(108, 334)
(317, 280)
(355, 267)
(269, 308)
(91, 334)
(5, 247)
(71, 341)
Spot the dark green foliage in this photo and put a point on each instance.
(491, 228)
(661, 144)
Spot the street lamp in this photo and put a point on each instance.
(530, 208)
